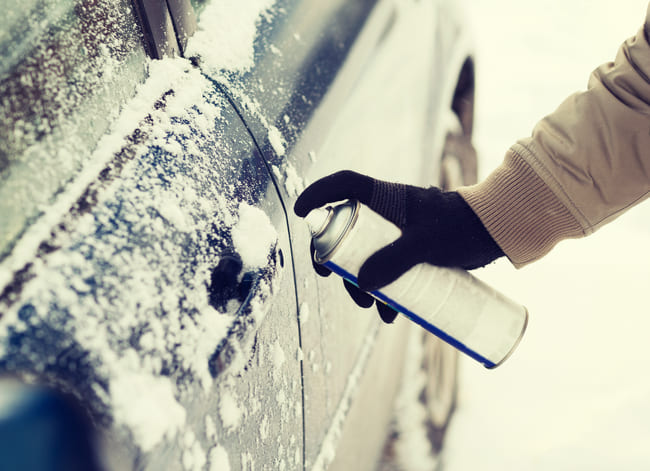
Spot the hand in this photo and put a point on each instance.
(437, 227)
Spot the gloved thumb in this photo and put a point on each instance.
(386, 265)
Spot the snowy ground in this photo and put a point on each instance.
(576, 393)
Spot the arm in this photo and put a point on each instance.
(584, 164)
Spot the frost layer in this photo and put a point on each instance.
(119, 311)
(226, 34)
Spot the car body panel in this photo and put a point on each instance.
(133, 299)
(93, 317)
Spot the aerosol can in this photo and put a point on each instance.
(450, 303)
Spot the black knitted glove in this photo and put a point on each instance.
(437, 227)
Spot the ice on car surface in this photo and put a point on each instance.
(96, 297)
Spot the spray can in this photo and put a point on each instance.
(450, 303)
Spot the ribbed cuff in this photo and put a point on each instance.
(521, 213)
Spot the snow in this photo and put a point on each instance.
(210, 428)
(226, 34)
(219, 459)
(164, 75)
(230, 413)
(194, 458)
(147, 405)
(294, 184)
(287, 174)
(253, 236)
(278, 359)
(277, 141)
(135, 306)
(264, 428)
(303, 313)
(574, 395)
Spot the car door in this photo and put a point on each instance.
(146, 268)
(327, 86)
(375, 127)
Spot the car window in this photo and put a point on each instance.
(65, 68)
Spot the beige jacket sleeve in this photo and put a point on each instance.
(584, 165)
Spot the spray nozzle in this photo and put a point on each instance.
(318, 219)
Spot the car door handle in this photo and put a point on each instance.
(227, 283)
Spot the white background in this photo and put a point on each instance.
(576, 393)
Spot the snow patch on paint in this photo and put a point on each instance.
(278, 359)
(229, 411)
(98, 291)
(219, 459)
(293, 183)
(304, 313)
(253, 236)
(288, 176)
(148, 406)
(264, 428)
(277, 141)
(194, 458)
(226, 34)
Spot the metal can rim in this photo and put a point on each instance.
(353, 219)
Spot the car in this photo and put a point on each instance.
(157, 294)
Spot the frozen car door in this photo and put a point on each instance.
(152, 278)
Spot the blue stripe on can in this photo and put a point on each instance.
(413, 317)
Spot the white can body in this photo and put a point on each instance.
(450, 303)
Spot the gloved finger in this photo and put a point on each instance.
(387, 313)
(361, 298)
(386, 265)
(336, 187)
(320, 269)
